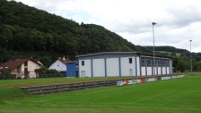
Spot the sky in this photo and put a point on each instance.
(178, 21)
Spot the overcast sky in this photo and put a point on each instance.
(178, 21)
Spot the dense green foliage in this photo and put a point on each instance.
(170, 96)
(29, 32)
(171, 51)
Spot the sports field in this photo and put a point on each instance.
(171, 96)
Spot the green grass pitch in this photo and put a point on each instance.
(169, 96)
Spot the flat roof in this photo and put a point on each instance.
(105, 53)
(115, 54)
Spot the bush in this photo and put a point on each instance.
(6, 74)
(2, 76)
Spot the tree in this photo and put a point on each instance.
(175, 63)
(44, 68)
(182, 65)
(198, 66)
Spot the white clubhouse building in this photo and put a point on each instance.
(106, 64)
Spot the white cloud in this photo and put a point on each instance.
(178, 21)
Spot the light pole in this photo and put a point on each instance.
(190, 56)
(153, 23)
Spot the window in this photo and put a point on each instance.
(159, 63)
(167, 63)
(82, 63)
(130, 60)
(155, 62)
(143, 61)
(163, 63)
(26, 64)
(149, 62)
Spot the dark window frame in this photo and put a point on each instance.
(82, 63)
(130, 60)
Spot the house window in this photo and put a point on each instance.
(82, 63)
(26, 64)
(130, 60)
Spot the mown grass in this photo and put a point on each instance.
(171, 96)
(52, 81)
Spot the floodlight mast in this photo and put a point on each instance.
(153, 64)
(191, 56)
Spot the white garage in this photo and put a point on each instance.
(122, 64)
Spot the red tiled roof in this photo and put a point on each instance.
(64, 60)
(12, 64)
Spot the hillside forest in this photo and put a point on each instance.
(27, 32)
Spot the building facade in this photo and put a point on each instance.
(72, 68)
(122, 64)
(60, 64)
(21, 68)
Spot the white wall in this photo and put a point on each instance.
(31, 68)
(112, 66)
(164, 70)
(126, 66)
(149, 70)
(168, 70)
(58, 65)
(98, 67)
(85, 71)
(138, 66)
(155, 70)
(159, 70)
(143, 71)
(22, 71)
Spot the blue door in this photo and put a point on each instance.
(71, 69)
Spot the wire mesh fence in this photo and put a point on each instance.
(58, 75)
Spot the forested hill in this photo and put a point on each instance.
(172, 51)
(28, 32)
(168, 50)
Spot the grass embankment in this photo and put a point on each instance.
(54, 81)
(171, 96)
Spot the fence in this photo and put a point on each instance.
(148, 79)
(58, 75)
(7, 77)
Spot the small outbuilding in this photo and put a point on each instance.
(72, 68)
(106, 64)
(60, 64)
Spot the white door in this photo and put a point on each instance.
(130, 72)
(83, 74)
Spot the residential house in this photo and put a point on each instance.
(60, 64)
(21, 68)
